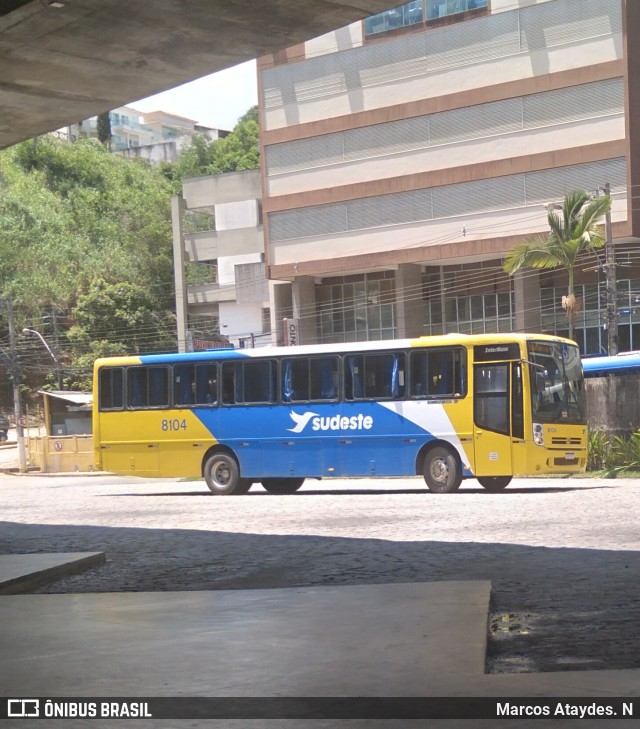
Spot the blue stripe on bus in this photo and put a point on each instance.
(319, 439)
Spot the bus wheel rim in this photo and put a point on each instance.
(440, 470)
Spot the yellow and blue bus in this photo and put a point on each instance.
(448, 408)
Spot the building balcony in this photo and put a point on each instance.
(211, 293)
(211, 244)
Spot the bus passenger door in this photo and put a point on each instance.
(492, 419)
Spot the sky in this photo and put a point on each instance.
(215, 101)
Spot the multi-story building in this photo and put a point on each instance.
(218, 248)
(156, 135)
(404, 155)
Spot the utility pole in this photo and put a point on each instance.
(612, 284)
(17, 401)
(56, 345)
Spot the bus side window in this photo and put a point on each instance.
(353, 377)
(438, 373)
(183, 377)
(158, 387)
(375, 376)
(249, 382)
(258, 381)
(206, 384)
(148, 387)
(229, 383)
(295, 380)
(323, 378)
(111, 388)
(136, 387)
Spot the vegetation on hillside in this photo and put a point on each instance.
(85, 247)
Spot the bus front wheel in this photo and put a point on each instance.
(494, 483)
(282, 485)
(222, 474)
(442, 471)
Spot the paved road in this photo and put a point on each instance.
(563, 554)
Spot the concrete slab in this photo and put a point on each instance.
(367, 640)
(23, 572)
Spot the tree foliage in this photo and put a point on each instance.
(572, 234)
(238, 151)
(88, 233)
(72, 215)
(104, 128)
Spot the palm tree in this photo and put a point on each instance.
(576, 232)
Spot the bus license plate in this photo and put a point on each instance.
(570, 456)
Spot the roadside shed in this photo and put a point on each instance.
(68, 443)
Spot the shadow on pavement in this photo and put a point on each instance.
(552, 608)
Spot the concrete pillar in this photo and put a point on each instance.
(178, 207)
(281, 307)
(526, 287)
(409, 304)
(304, 308)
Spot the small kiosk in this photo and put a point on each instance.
(68, 443)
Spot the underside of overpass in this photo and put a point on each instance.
(62, 61)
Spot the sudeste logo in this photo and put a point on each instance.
(334, 422)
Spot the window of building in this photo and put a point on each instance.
(475, 313)
(357, 308)
(407, 14)
(412, 13)
(443, 8)
(590, 321)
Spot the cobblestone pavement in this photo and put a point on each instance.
(563, 555)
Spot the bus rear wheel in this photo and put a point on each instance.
(282, 485)
(442, 471)
(494, 483)
(222, 474)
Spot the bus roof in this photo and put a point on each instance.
(614, 363)
(443, 340)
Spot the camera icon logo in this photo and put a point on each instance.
(23, 708)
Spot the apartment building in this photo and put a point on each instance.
(156, 136)
(404, 155)
(222, 293)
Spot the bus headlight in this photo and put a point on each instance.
(538, 434)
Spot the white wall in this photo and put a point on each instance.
(227, 264)
(240, 320)
(234, 215)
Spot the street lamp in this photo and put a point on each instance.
(29, 332)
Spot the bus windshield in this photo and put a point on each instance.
(557, 386)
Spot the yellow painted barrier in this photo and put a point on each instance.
(62, 454)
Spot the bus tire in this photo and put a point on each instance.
(222, 474)
(494, 483)
(442, 471)
(282, 485)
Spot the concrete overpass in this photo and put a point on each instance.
(66, 60)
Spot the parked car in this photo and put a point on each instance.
(5, 424)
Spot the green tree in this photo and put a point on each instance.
(570, 235)
(239, 150)
(72, 214)
(119, 319)
(104, 129)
